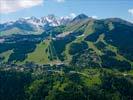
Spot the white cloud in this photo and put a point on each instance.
(95, 17)
(131, 11)
(60, 1)
(72, 15)
(8, 6)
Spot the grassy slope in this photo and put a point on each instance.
(6, 55)
(40, 55)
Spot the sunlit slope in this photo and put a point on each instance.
(43, 54)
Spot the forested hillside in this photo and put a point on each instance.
(85, 59)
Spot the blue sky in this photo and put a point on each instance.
(14, 9)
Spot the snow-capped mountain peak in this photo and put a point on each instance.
(34, 24)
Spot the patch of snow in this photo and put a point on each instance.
(63, 34)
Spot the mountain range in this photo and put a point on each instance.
(82, 41)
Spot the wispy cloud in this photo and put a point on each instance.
(95, 17)
(60, 1)
(131, 11)
(72, 15)
(8, 6)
